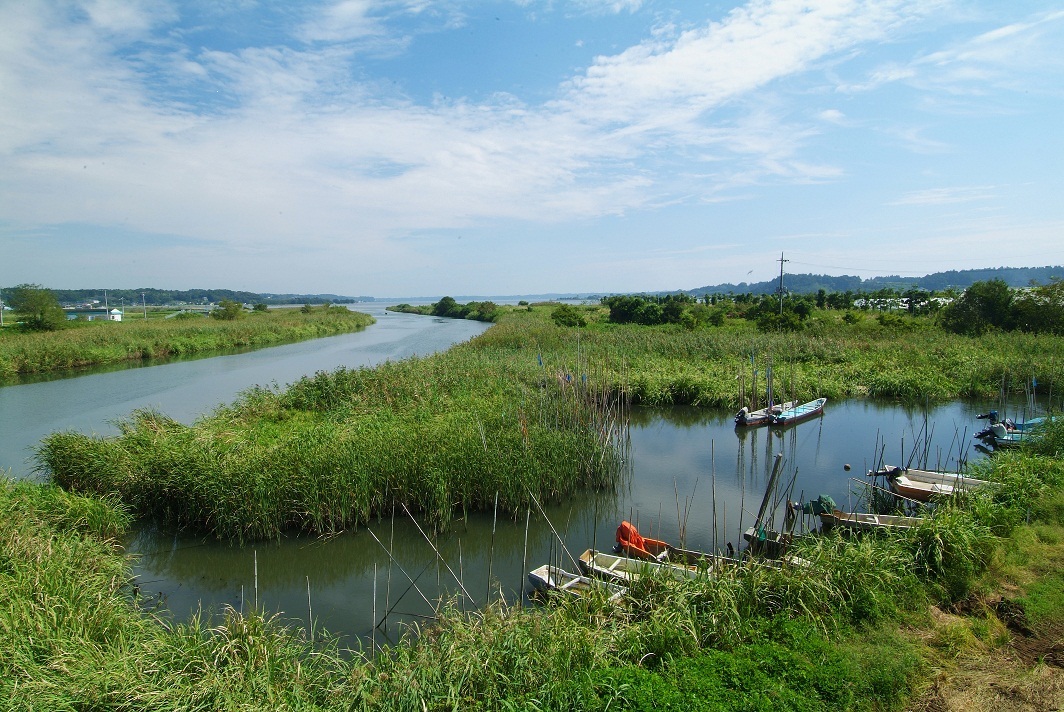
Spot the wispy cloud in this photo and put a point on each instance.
(944, 196)
(297, 131)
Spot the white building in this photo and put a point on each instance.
(114, 315)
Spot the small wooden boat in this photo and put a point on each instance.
(867, 522)
(798, 413)
(767, 542)
(625, 569)
(553, 578)
(954, 479)
(747, 418)
(921, 485)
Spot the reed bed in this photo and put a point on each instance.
(96, 343)
(668, 365)
(440, 435)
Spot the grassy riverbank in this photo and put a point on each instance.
(908, 358)
(94, 343)
(965, 611)
(527, 410)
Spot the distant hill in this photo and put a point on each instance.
(810, 283)
(163, 297)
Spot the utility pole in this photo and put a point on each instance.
(145, 305)
(781, 261)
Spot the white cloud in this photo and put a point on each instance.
(342, 21)
(832, 116)
(948, 195)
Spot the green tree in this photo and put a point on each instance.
(983, 307)
(260, 307)
(228, 310)
(37, 307)
(446, 307)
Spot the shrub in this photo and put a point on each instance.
(568, 315)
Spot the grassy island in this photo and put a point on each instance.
(93, 343)
(965, 608)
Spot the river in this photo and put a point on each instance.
(691, 478)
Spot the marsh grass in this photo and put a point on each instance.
(439, 435)
(100, 342)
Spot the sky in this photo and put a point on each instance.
(442, 147)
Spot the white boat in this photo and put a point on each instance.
(554, 578)
(922, 484)
(955, 479)
(867, 522)
(624, 569)
(747, 418)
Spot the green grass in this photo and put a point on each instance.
(102, 342)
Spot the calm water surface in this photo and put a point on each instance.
(691, 479)
(685, 465)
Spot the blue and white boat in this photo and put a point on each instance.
(1010, 426)
(799, 413)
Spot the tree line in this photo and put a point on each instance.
(170, 297)
(985, 306)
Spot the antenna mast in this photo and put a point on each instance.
(781, 261)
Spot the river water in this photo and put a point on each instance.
(691, 479)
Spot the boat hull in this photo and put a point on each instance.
(625, 569)
(549, 578)
(746, 418)
(800, 413)
(867, 522)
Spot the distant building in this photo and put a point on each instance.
(114, 315)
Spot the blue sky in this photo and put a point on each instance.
(422, 148)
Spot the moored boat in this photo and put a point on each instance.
(767, 542)
(747, 418)
(554, 578)
(798, 413)
(1001, 437)
(954, 479)
(867, 522)
(1010, 426)
(625, 569)
(921, 485)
